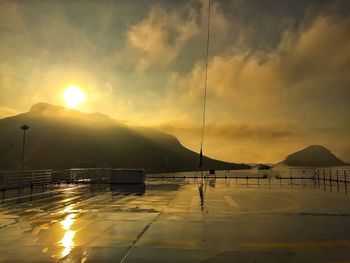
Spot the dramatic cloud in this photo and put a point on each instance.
(278, 71)
(302, 84)
(159, 38)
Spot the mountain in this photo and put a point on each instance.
(64, 138)
(313, 156)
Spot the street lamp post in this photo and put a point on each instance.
(24, 128)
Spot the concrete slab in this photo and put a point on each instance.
(165, 222)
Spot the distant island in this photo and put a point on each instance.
(62, 138)
(312, 156)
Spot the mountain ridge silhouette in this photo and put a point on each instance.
(313, 156)
(64, 138)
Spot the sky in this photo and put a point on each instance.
(278, 72)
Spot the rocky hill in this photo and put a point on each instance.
(64, 138)
(313, 156)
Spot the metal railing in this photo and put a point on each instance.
(24, 178)
(324, 174)
(76, 175)
(226, 174)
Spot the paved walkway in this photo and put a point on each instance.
(164, 222)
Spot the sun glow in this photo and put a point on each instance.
(73, 96)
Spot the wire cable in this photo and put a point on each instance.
(205, 88)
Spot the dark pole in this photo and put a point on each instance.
(24, 128)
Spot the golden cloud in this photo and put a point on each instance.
(159, 38)
(302, 84)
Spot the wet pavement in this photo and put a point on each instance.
(163, 221)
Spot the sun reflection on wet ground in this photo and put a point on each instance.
(165, 220)
(68, 221)
(67, 241)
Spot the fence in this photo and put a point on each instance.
(330, 177)
(90, 175)
(319, 176)
(26, 178)
(15, 179)
(226, 174)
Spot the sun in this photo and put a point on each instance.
(73, 96)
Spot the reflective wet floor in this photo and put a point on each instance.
(163, 221)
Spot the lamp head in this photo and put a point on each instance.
(24, 127)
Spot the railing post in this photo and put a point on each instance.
(32, 181)
(324, 179)
(346, 183)
(337, 180)
(51, 179)
(330, 179)
(318, 178)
